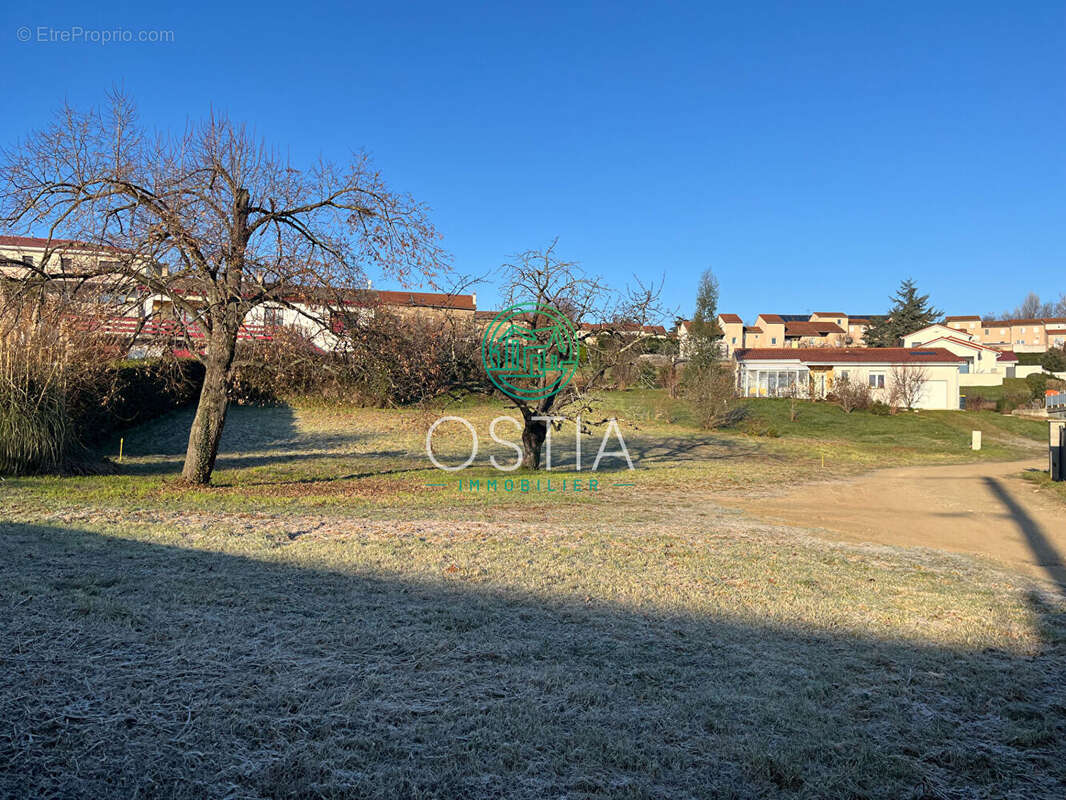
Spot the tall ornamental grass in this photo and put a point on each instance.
(49, 366)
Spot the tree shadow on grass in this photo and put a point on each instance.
(254, 436)
(135, 668)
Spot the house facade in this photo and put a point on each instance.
(813, 372)
(820, 329)
(979, 359)
(1035, 335)
(129, 308)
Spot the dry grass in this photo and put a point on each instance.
(233, 656)
(394, 642)
(370, 461)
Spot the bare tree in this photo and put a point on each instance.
(213, 222)
(851, 395)
(1032, 307)
(541, 279)
(908, 383)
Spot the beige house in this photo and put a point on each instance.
(812, 372)
(732, 327)
(22, 256)
(822, 329)
(1034, 335)
(133, 309)
(978, 358)
(814, 333)
(92, 269)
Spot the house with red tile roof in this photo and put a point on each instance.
(813, 371)
(1033, 335)
(319, 311)
(980, 359)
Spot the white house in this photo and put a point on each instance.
(778, 372)
(978, 358)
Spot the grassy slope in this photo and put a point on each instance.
(367, 460)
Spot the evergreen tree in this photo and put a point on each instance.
(910, 312)
(703, 329)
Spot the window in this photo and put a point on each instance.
(272, 317)
(876, 380)
(773, 340)
(773, 382)
(734, 340)
(27, 260)
(988, 332)
(843, 374)
(65, 263)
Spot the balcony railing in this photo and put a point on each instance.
(168, 329)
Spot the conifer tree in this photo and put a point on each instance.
(703, 329)
(910, 312)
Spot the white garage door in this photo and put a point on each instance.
(934, 395)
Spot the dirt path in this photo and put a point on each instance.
(983, 509)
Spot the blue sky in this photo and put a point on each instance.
(810, 154)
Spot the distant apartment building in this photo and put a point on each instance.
(820, 329)
(1035, 335)
(91, 273)
(25, 256)
(130, 307)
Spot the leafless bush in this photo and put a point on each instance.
(908, 383)
(710, 388)
(398, 360)
(670, 379)
(851, 395)
(384, 360)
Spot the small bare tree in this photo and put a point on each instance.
(851, 395)
(908, 383)
(542, 279)
(213, 222)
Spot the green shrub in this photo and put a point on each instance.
(1037, 383)
(136, 392)
(880, 409)
(1054, 360)
(1040, 382)
(757, 426)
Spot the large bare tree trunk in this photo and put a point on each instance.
(533, 434)
(206, 431)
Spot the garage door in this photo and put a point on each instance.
(934, 395)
